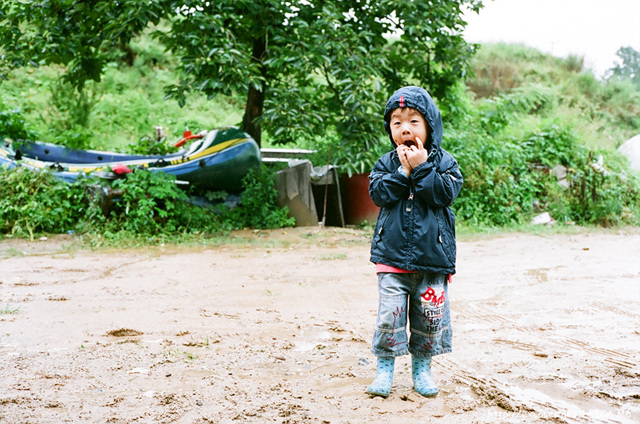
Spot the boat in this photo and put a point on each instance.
(216, 160)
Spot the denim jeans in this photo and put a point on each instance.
(424, 298)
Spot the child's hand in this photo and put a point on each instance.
(402, 155)
(412, 156)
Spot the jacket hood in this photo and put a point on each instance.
(416, 98)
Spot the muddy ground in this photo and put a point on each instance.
(275, 327)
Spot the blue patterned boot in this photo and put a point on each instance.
(381, 386)
(422, 381)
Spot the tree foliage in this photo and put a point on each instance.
(630, 66)
(307, 68)
(319, 67)
(82, 35)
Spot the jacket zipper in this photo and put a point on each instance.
(408, 209)
(410, 205)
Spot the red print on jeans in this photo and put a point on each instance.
(430, 296)
(391, 341)
(428, 345)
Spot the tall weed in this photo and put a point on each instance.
(600, 192)
(508, 179)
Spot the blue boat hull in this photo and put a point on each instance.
(217, 162)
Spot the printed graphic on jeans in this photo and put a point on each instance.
(391, 341)
(420, 300)
(433, 300)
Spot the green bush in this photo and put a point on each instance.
(600, 192)
(498, 187)
(150, 146)
(259, 203)
(148, 203)
(507, 178)
(522, 114)
(144, 204)
(13, 125)
(37, 202)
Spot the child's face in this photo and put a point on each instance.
(407, 124)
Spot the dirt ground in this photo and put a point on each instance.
(275, 327)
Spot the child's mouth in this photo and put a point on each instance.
(409, 143)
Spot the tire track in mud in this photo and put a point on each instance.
(518, 402)
(528, 347)
(618, 358)
(611, 356)
(609, 308)
(108, 271)
(104, 271)
(514, 399)
(478, 313)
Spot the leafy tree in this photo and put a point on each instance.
(83, 35)
(630, 66)
(317, 65)
(307, 68)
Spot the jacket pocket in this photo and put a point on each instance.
(446, 236)
(382, 219)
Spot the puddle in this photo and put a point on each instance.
(158, 341)
(312, 341)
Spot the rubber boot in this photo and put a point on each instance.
(381, 386)
(422, 381)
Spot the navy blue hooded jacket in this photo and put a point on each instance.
(416, 228)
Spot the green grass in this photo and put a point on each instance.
(181, 354)
(8, 310)
(335, 257)
(469, 233)
(128, 104)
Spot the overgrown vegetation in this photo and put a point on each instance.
(36, 202)
(303, 69)
(532, 133)
(131, 105)
(536, 133)
(144, 205)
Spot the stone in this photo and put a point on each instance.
(631, 150)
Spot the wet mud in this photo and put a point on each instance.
(277, 329)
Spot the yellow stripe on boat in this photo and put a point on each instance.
(218, 147)
(88, 169)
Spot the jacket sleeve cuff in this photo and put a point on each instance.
(423, 169)
(401, 174)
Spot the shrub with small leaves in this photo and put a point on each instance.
(13, 125)
(150, 203)
(34, 202)
(259, 203)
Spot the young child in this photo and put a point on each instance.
(413, 246)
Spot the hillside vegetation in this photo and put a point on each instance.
(126, 106)
(532, 132)
(536, 133)
(603, 113)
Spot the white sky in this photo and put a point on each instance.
(595, 29)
